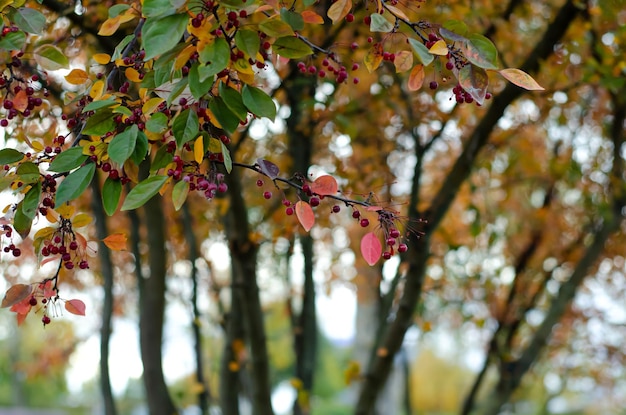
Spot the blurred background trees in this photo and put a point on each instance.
(507, 301)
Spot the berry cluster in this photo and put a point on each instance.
(19, 96)
(210, 184)
(340, 72)
(64, 242)
(8, 233)
(47, 294)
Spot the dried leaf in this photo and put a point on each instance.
(15, 294)
(416, 78)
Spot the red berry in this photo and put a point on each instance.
(314, 201)
(386, 255)
(336, 209)
(349, 18)
(32, 301)
(365, 222)
(267, 195)
(403, 248)
(45, 320)
(289, 211)
(356, 214)
(259, 182)
(433, 85)
(394, 233)
(391, 241)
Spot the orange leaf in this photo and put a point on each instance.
(521, 79)
(416, 78)
(75, 307)
(102, 58)
(21, 318)
(109, 26)
(305, 215)
(77, 77)
(371, 248)
(15, 294)
(311, 17)
(116, 241)
(324, 185)
(20, 101)
(132, 74)
(374, 57)
(339, 10)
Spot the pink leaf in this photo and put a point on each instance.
(371, 248)
(305, 215)
(325, 185)
(75, 307)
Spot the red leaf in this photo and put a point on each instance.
(16, 294)
(371, 248)
(305, 215)
(325, 185)
(75, 307)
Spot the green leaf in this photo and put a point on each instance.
(228, 161)
(123, 145)
(10, 155)
(421, 51)
(185, 127)
(75, 184)
(141, 148)
(198, 88)
(68, 160)
(118, 9)
(224, 115)
(291, 47)
(293, 19)
(117, 53)
(122, 110)
(31, 201)
(21, 222)
(96, 105)
(159, 35)
(161, 159)
(179, 194)
(480, 51)
(177, 89)
(143, 192)
(248, 41)
(111, 193)
(454, 30)
(157, 123)
(29, 20)
(13, 41)
(380, 24)
(215, 56)
(474, 81)
(28, 172)
(155, 8)
(258, 102)
(234, 102)
(51, 58)
(100, 123)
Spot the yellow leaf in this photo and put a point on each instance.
(37, 145)
(132, 171)
(440, 48)
(132, 75)
(116, 242)
(102, 58)
(339, 10)
(243, 66)
(96, 90)
(198, 150)
(397, 12)
(215, 146)
(352, 372)
(77, 77)
(416, 78)
(403, 61)
(110, 26)
(66, 211)
(521, 79)
(374, 57)
(183, 57)
(151, 105)
(44, 232)
(80, 220)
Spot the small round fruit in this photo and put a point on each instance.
(289, 211)
(403, 248)
(259, 182)
(45, 320)
(433, 85)
(394, 233)
(336, 209)
(386, 255)
(267, 195)
(356, 214)
(314, 201)
(365, 222)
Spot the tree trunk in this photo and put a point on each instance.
(106, 270)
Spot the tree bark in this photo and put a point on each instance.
(380, 366)
(244, 256)
(106, 270)
(205, 394)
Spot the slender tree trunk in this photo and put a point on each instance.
(380, 367)
(205, 394)
(230, 371)
(244, 256)
(106, 270)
